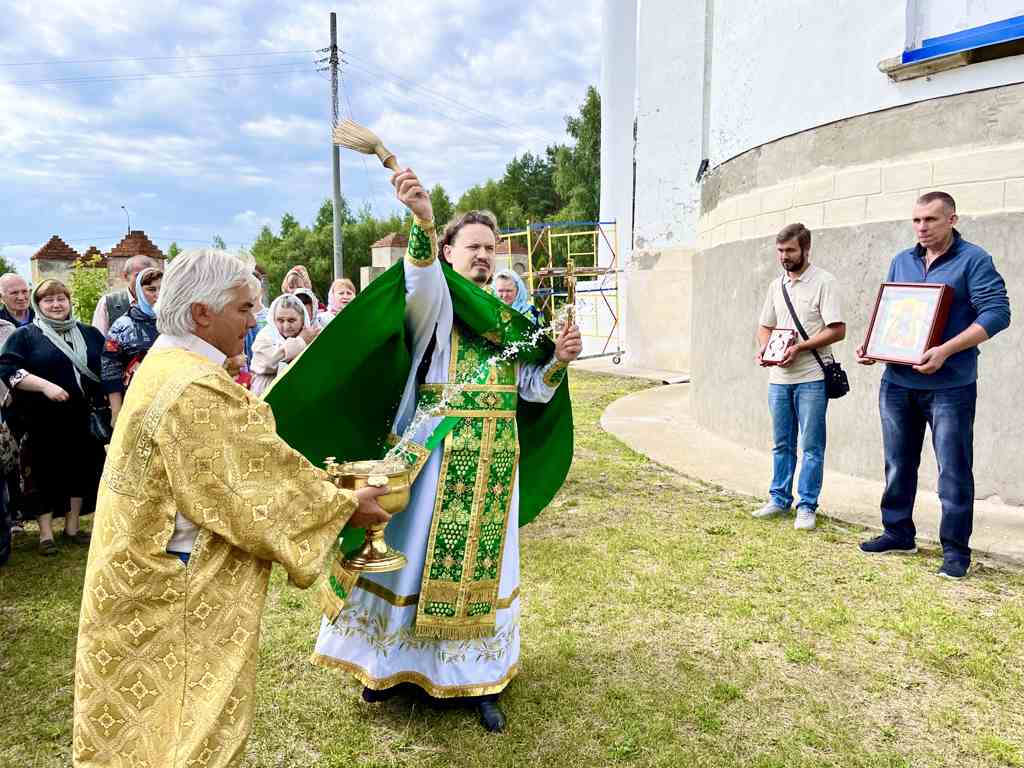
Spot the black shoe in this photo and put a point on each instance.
(371, 696)
(491, 716)
(888, 544)
(78, 537)
(954, 569)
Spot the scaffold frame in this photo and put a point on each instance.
(560, 252)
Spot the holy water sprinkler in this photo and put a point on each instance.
(354, 136)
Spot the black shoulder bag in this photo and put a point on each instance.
(836, 382)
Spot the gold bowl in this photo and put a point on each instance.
(375, 555)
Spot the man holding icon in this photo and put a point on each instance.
(941, 391)
(804, 296)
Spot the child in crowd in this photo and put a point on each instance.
(341, 294)
(285, 335)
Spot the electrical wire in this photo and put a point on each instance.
(370, 185)
(187, 74)
(154, 58)
(378, 71)
(429, 104)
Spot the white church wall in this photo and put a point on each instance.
(942, 17)
(618, 98)
(799, 123)
(781, 68)
(670, 88)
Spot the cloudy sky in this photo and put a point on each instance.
(207, 118)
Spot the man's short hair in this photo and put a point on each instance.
(4, 279)
(137, 263)
(797, 232)
(931, 197)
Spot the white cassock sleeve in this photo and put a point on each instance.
(428, 310)
(538, 383)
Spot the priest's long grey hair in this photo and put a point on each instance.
(199, 276)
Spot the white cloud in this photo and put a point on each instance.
(454, 87)
(83, 208)
(250, 220)
(293, 129)
(20, 256)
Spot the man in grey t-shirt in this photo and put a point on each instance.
(796, 389)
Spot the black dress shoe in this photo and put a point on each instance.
(371, 696)
(491, 716)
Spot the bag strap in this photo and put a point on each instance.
(796, 320)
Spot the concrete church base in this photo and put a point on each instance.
(657, 422)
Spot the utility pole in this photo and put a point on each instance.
(339, 270)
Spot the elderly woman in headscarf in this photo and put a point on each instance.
(130, 338)
(510, 288)
(52, 367)
(286, 334)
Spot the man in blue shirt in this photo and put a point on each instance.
(941, 392)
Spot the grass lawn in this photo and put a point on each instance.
(662, 626)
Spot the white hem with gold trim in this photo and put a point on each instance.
(373, 636)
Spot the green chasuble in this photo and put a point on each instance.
(340, 396)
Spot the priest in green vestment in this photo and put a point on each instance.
(487, 461)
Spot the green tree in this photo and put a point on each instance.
(218, 242)
(173, 250)
(88, 283)
(442, 205)
(313, 246)
(577, 175)
(485, 197)
(289, 224)
(528, 188)
(325, 216)
(5, 265)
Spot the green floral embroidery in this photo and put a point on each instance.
(422, 250)
(373, 629)
(467, 538)
(554, 373)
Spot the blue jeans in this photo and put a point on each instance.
(798, 411)
(950, 414)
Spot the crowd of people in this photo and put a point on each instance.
(63, 380)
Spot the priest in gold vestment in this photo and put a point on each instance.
(199, 497)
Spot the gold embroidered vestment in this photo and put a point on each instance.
(166, 658)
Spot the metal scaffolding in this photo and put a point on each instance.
(563, 259)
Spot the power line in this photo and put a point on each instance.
(152, 58)
(186, 74)
(423, 101)
(369, 69)
(366, 170)
(392, 75)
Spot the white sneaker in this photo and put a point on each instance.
(805, 519)
(769, 510)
